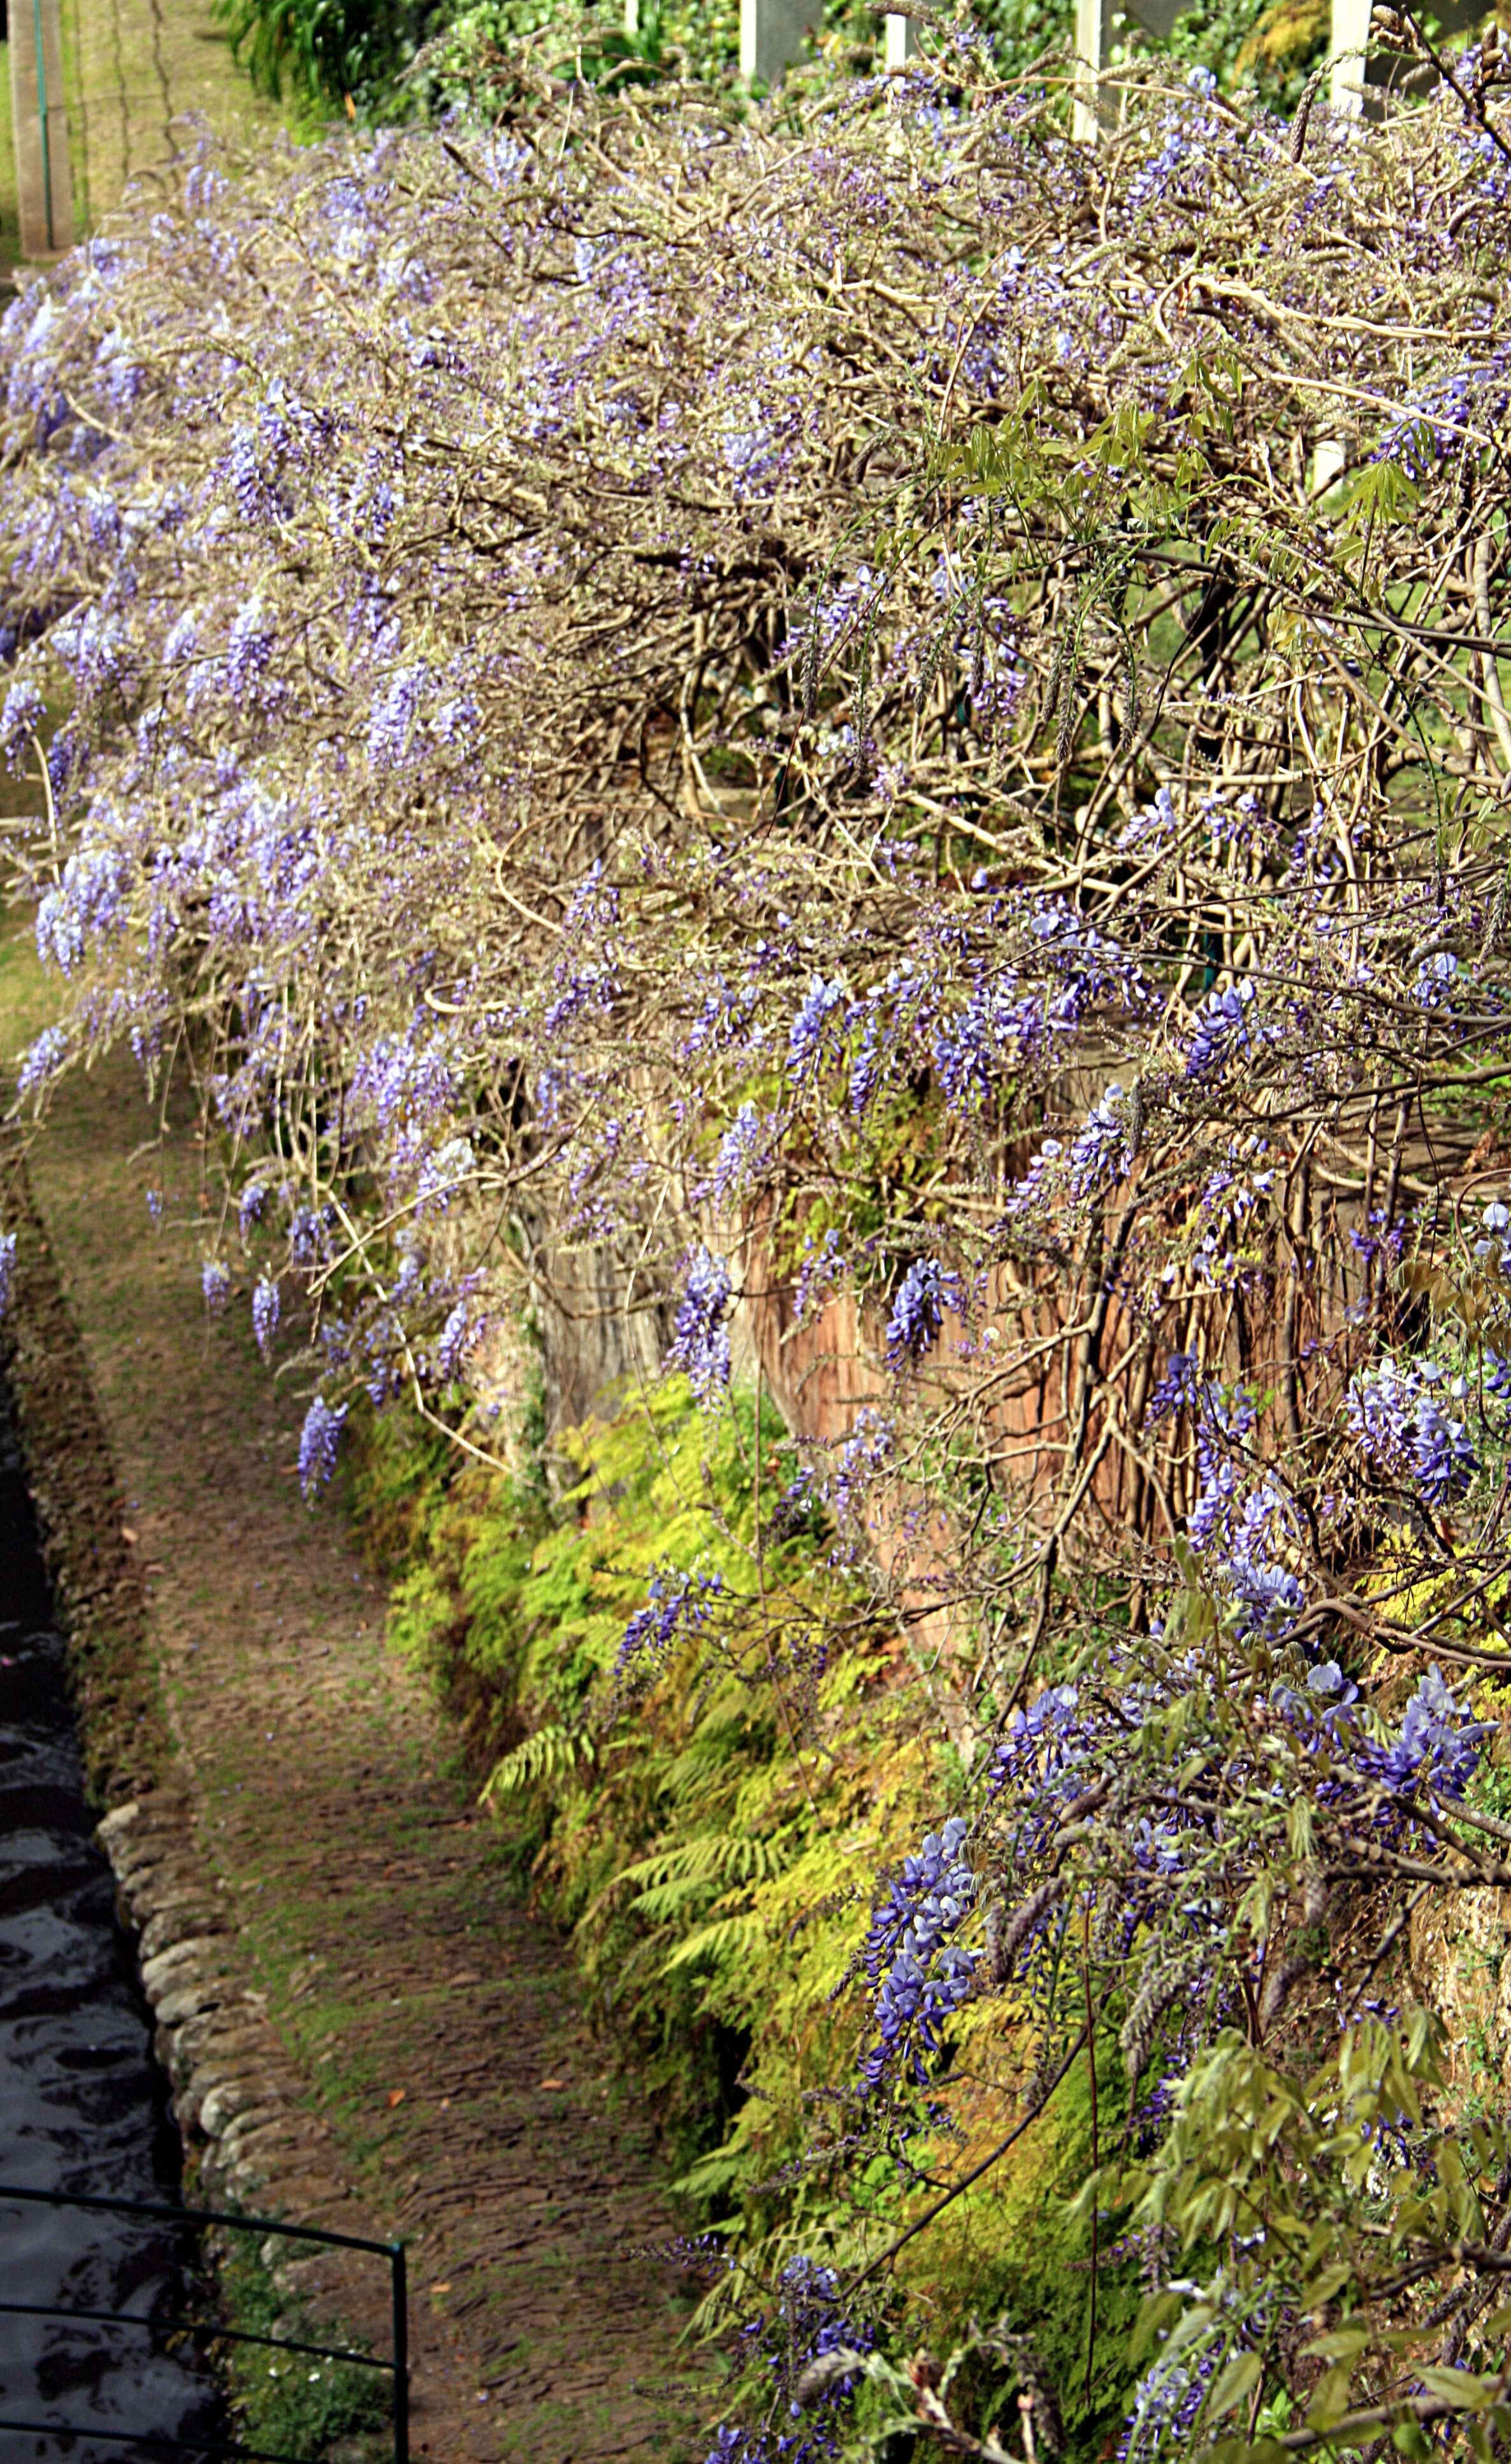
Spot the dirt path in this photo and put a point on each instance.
(433, 2028)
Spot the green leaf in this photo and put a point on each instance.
(1466, 2389)
(1235, 2383)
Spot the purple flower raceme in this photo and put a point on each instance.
(215, 1285)
(459, 1335)
(743, 1154)
(42, 1061)
(1402, 1416)
(806, 2321)
(7, 1269)
(820, 1272)
(320, 1440)
(918, 1974)
(249, 647)
(1224, 1029)
(23, 715)
(918, 1309)
(1100, 1153)
(700, 1345)
(1439, 1744)
(818, 1027)
(265, 1313)
(677, 1602)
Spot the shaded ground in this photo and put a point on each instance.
(436, 2028)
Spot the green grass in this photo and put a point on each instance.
(10, 222)
(291, 2401)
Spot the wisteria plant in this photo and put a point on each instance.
(887, 730)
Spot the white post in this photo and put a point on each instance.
(771, 35)
(44, 181)
(1349, 41)
(631, 18)
(1093, 45)
(902, 41)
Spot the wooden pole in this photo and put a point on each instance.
(1093, 46)
(902, 41)
(1348, 41)
(44, 181)
(771, 35)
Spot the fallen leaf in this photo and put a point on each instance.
(440, 2288)
(395, 2096)
(553, 2082)
(466, 1977)
(128, 1535)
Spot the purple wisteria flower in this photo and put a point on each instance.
(926, 1291)
(265, 1306)
(20, 721)
(319, 1442)
(816, 1027)
(215, 1285)
(677, 1602)
(1223, 1029)
(7, 1269)
(1439, 1746)
(1399, 1414)
(42, 1060)
(249, 650)
(701, 1337)
(743, 1153)
(918, 1973)
(459, 1337)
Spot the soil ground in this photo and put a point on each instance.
(436, 2027)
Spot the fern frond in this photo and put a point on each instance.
(737, 1937)
(540, 1757)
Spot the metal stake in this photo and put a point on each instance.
(400, 2355)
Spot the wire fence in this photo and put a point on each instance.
(149, 2442)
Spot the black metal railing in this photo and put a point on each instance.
(149, 2442)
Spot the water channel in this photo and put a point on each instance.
(82, 2105)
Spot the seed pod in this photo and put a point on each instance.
(1159, 1989)
(1136, 1129)
(1069, 714)
(1278, 1985)
(1057, 673)
(826, 2372)
(810, 667)
(933, 660)
(978, 667)
(1004, 1942)
(1304, 110)
(1129, 692)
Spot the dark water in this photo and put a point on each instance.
(82, 2107)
